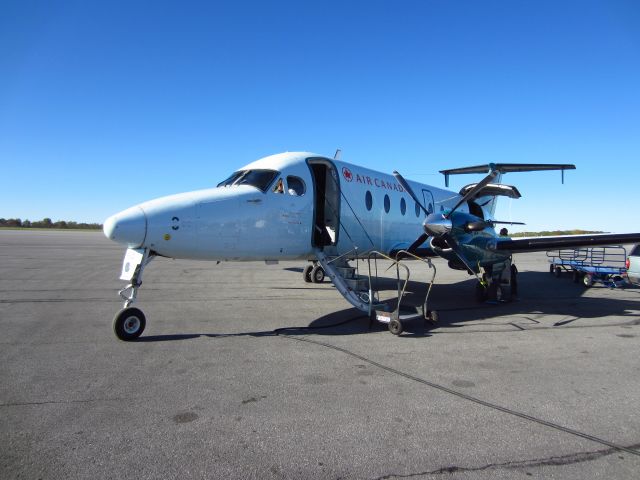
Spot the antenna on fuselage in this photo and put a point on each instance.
(338, 155)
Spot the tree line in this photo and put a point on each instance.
(47, 223)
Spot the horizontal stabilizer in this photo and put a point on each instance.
(492, 190)
(538, 244)
(506, 168)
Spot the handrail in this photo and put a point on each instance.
(406, 281)
(433, 277)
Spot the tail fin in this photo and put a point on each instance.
(493, 190)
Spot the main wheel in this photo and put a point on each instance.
(494, 293)
(306, 273)
(514, 281)
(587, 280)
(481, 293)
(317, 274)
(395, 327)
(128, 324)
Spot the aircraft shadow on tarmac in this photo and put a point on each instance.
(540, 294)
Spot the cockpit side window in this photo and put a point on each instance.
(295, 186)
(261, 179)
(229, 181)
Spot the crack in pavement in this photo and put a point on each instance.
(569, 459)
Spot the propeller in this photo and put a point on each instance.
(439, 225)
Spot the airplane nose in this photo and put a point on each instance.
(128, 227)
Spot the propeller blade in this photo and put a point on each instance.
(471, 193)
(419, 241)
(507, 223)
(482, 224)
(406, 186)
(455, 246)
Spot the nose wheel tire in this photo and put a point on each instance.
(129, 323)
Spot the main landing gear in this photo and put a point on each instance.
(129, 323)
(499, 283)
(313, 273)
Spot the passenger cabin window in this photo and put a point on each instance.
(260, 179)
(295, 186)
(368, 200)
(403, 206)
(417, 210)
(387, 204)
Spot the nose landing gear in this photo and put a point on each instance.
(129, 323)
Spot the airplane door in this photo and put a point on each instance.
(326, 222)
(428, 200)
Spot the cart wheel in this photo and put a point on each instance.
(129, 323)
(432, 316)
(557, 272)
(551, 269)
(576, 276)
(587, 280)
(306, 273)
(317, 274)
(395, 327)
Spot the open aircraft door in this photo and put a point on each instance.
(326, 205)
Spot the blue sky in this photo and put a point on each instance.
(107, 104)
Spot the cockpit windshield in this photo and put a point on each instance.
(261, 179)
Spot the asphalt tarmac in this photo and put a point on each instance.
(245, 371)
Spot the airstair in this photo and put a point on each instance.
(362, 292)
(351, 285)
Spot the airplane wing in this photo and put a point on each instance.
(537, 244)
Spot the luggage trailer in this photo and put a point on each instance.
(605, 265)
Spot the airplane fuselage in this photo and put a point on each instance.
(284, 206)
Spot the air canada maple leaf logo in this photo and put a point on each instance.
(346, 173)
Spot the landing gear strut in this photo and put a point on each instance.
(499, 283)
(129, 323)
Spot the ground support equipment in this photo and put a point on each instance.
(604, 265)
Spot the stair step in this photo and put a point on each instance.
(360, 284)
(346, 272)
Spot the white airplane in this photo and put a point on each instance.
(303, 206)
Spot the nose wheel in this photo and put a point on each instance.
(129, 323)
